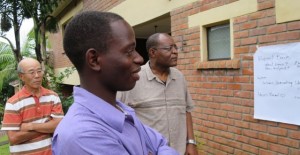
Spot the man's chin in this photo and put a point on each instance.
(35, 86)
(128, 87)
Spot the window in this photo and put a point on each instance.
(218, 42)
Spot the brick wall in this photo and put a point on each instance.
(223, 118)
(58, 57)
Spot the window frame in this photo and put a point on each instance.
(204, 40)
(209, 52)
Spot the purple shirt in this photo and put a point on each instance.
(93, 126)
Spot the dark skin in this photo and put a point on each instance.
(160, 63)
(102, 77)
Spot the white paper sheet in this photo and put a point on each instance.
(277, 83)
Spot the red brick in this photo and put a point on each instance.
(219, 86)
(288, 36)
(293, 26)
(276, 28)
(234, 115)
(243, 139)
(249, 118)
(247, 71)
(248, 25)
(258, 143)
(235, 130)
(240, 152)
(266, 152)
(226, 93)
(213, 92)
(257, 15)
(279, 148)
(241, 79)
(294, 134)
(239, 50)
(267, 38)
(250, 133)
(258, 127)
(247, 87)
(267, 137)
(241, 19)
(256, 32)
(288, 142)
(277, 131)
(221, 113)
(249, 41)
(226, 107)
(227, 135)
(294, 151)
(266, 21)
(250, 148)
(289, 126)
(241, 34)
(241, 124)
(226, 149)
(227, 121)
(234, 86)
(234, 101)
(266, 5)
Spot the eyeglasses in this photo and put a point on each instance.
(167, 48)
(33, 73)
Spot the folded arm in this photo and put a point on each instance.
(47, 127)
(18, 137)
(30, 131)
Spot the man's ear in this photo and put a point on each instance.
(92, 57)
(20, 76)
(151, 52)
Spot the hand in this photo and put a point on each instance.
(191, 149)
(26, 127)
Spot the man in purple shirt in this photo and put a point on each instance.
(101, 46)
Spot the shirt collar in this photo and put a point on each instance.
(27, 93)
(151, 76)
(101, 108)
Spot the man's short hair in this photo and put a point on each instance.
(153, 40)
(89, 29)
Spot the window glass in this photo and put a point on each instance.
(218, 42)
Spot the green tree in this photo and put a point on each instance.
(12, 15)
(14, 11)
(40, 12)
(7, 64)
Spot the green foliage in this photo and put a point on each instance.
(5, 23)
(51, 25)
(40, 12)
(52, 81)
(29, 45)
(11, 14)
(7, 65)
(7, 74)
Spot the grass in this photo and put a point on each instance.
(4, 146)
